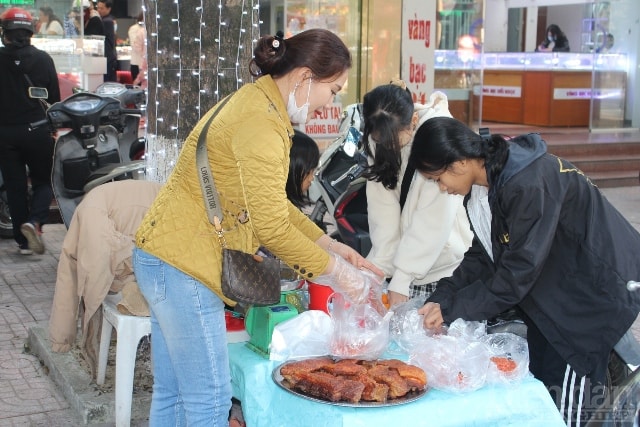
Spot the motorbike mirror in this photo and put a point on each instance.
(351, 141)
(38, 92)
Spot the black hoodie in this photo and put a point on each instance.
(562, 254)
(15, 105)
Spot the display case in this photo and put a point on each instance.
(80, 62)
(543, 89)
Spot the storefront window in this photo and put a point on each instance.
(604, 27)
(458, 61)
(342, 17)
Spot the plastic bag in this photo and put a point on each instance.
(406, 325)
(306, 335)
(466, 357)
(359, 330)
(509, 357)
(456, 362)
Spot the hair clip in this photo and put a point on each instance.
(399, 82)
(277, 40)
(485, 134)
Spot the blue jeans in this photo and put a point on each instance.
(191, 378)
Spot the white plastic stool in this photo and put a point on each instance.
(130, 330)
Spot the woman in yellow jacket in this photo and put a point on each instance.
(178, 262)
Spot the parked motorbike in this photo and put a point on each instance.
(96, 139)
(338, 187)
(134, 98)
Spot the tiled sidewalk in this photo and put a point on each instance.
(28, 396)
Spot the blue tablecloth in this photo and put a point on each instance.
(266, 404)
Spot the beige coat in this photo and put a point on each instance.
(96, 254)
(248, 145)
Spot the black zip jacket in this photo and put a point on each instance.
(562, 254)
(15, 105)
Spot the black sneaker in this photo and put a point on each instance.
(33, 236)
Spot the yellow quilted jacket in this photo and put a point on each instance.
(248, 145)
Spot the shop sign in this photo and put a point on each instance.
(325, 123)
(586, 93)
(418, 47)
(502, 91)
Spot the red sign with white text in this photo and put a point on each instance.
(418, 47)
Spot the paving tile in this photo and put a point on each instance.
(27, 390)
(36, 298)
(14, 313)
(6, 294)
(57, 418)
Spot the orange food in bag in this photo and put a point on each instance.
(504, 364)
(385, 300)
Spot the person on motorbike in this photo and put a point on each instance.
(23, 66)
(178, 256)
(418, 233)
(547, 242)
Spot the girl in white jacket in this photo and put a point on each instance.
(424, 240)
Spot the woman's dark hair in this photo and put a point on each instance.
(387, 110)
(320, 50)
(442, 141)
(48, 12)
(304, 158)
(555, 31)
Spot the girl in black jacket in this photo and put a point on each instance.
(545, 241)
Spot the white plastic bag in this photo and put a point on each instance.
(306, 335)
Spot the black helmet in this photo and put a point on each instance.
(17, 18)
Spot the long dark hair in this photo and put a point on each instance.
(48, 12)
(386, 110)
(556, 32)
(442, 141)
(317, 49)
(304, 158)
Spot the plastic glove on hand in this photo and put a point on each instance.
(348, 280)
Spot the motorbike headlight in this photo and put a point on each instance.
(82, 104)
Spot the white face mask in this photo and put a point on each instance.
(298, 115)
(550, 38)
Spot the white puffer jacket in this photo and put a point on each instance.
(427, 240)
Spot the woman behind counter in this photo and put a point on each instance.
(556, 41)
(178, 259)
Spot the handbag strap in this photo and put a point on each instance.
(207, 185)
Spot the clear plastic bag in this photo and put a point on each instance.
(359, 330)
(466, 357)
(509, 357)
(406, 326)
(456, 362)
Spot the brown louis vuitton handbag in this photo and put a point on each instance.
(249, 279)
